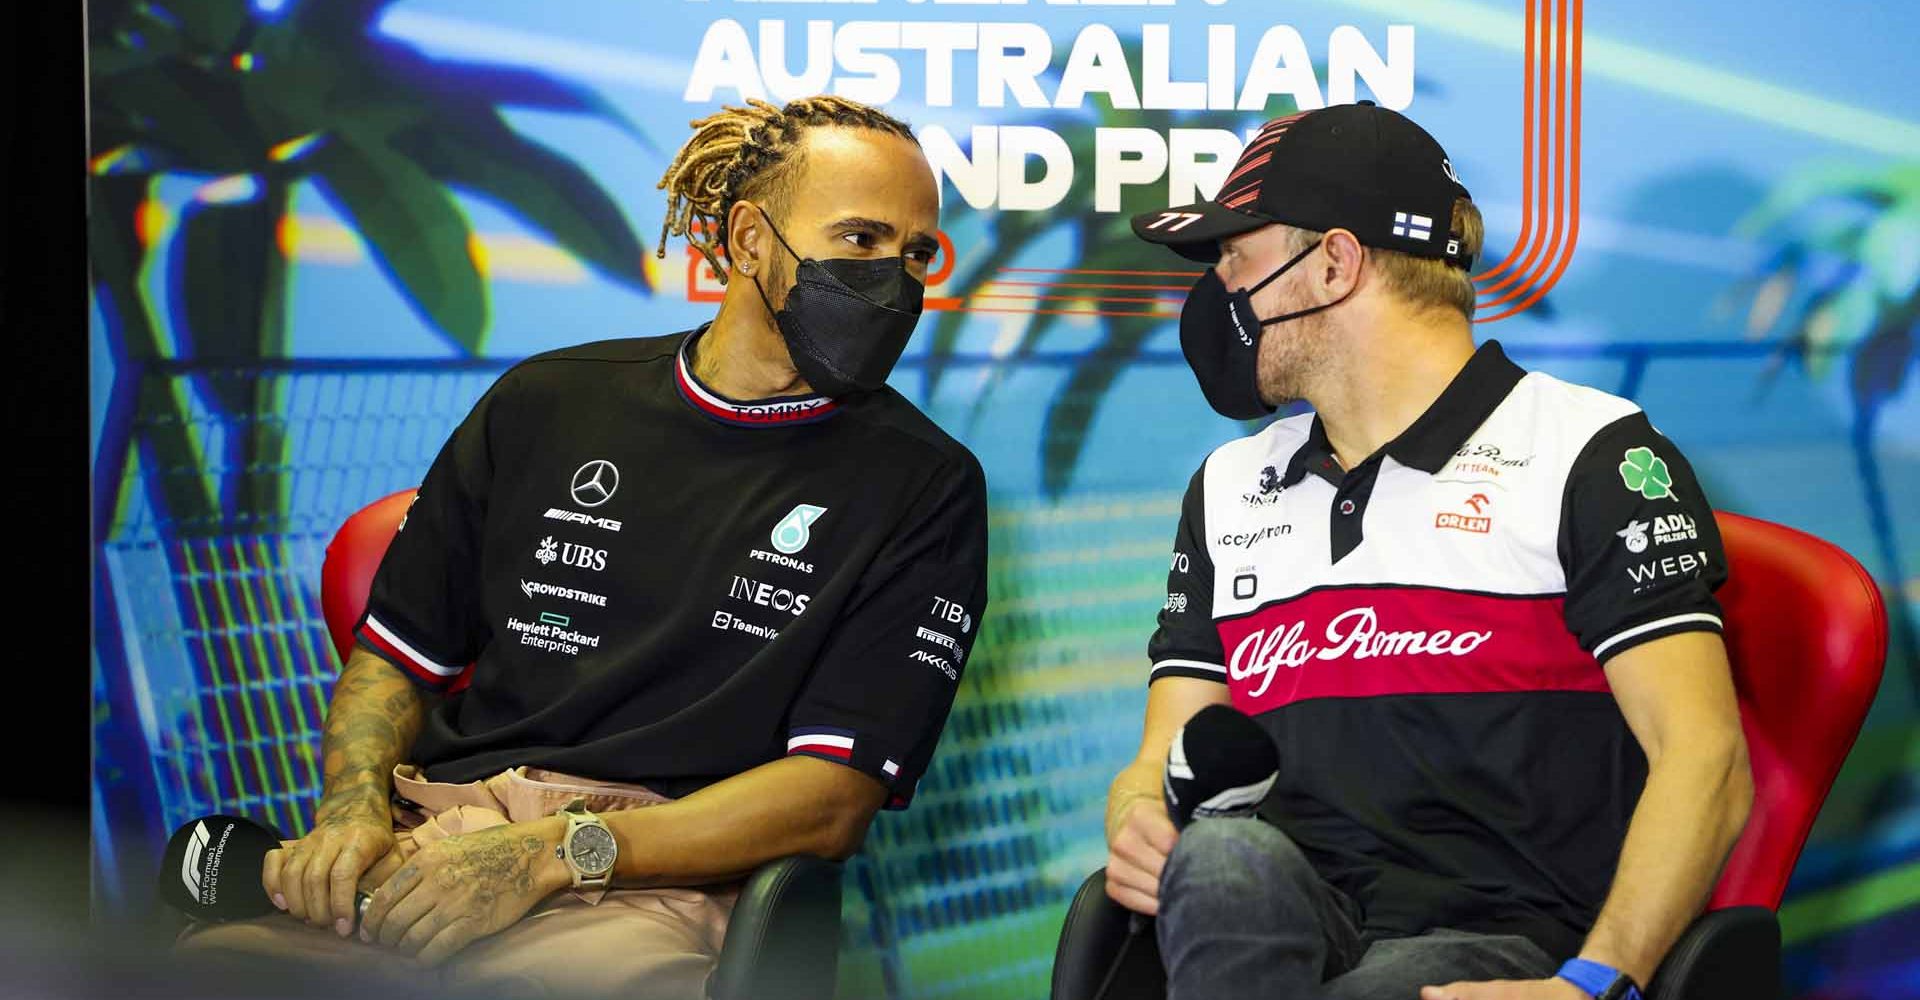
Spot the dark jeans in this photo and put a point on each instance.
(1243, 914)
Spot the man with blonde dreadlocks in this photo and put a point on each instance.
(726, 575)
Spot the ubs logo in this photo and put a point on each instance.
(570, 554)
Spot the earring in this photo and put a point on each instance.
(744, 268)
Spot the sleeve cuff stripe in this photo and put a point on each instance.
(1699, 617)
(821, 741)
(1189, 665)
(835, 754)
(399, 645)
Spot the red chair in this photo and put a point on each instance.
(783, 938)
(1807, 636)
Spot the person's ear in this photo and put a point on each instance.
(1343, 255)
(747, 238)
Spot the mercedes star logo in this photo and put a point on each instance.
(595, 482)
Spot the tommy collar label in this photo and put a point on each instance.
(779, 411)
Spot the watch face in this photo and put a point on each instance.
(593, 849)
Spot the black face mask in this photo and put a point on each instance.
(846, 320)
(1220, 335)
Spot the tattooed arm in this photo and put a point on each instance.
(376, 714)
(459, 889)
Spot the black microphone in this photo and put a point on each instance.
(211, 870)
(1220, 763)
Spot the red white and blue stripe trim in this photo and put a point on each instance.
(780, 411)
(822, 741)
(383, 640)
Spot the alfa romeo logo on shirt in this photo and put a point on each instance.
(791, 535)
(594, 483)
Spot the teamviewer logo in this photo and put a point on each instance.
(1418, 227)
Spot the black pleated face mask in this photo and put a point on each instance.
(846, 319)
(1220, 335)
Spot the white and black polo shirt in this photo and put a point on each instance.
(1423, 635)
(617, 572)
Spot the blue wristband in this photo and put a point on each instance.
(1596, 979)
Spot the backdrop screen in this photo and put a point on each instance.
(320, 230)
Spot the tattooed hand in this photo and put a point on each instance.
(455, 891)
(314, 878)
(374, 717)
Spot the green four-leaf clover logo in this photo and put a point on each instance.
(1646, 473)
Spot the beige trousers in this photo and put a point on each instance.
(630, 943)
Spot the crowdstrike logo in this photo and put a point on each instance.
(594, 483)
(535, 588)
(1355, 633)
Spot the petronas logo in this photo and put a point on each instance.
(791, 534)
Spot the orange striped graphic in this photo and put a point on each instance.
(1550, 165)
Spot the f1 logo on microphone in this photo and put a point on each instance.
(190, 862)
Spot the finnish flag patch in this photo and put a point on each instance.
(1418, 227)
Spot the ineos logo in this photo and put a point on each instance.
(594, 483)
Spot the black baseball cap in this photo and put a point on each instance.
(1358, 167)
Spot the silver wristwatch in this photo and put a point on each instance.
(588, 847)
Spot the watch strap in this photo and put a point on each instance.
(1601, 982)
(577, 816)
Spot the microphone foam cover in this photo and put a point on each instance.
(211, 870)
(1220, 763)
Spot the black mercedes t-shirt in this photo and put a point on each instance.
(615, 572)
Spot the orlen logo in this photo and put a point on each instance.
(1355, 633)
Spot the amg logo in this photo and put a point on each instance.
(560, 514)
(937, 662)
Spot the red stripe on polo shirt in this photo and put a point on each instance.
(1369, 642)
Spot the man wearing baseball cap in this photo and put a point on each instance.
(1472, 605)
